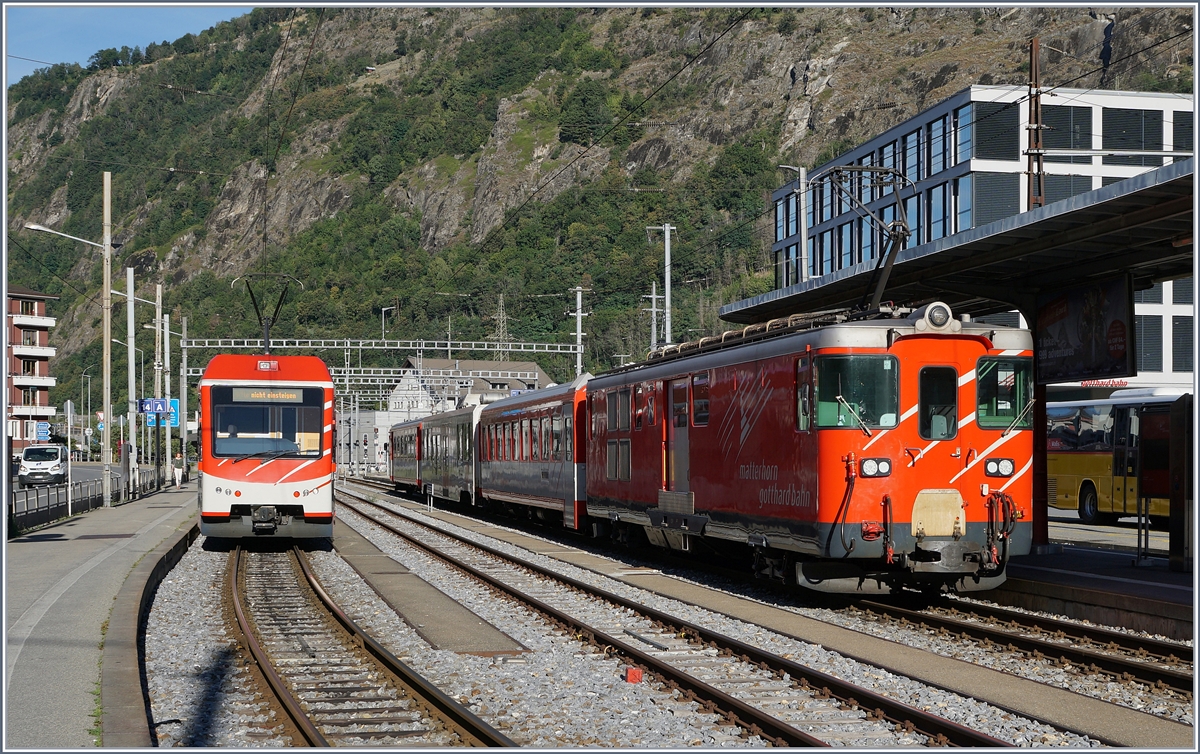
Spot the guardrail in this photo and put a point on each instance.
(36, 506)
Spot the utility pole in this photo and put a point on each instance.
(654, 297)
(1037, 168)
(158, 364)
(106, 306)
(502, 336)
(666, 228)
(183, 391)
(131, 410)
(579, 314)
(167, 379)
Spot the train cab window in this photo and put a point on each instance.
(700, 399)
(623, 410)
(937, 403)
(1004, 388)
(803, 396)
(857, 392)
(267, 421)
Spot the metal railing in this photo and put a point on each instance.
(32, 507)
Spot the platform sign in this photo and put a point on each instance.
(153, 406)
(174, 412)
(1086, 332)
(100, 426)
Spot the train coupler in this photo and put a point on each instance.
(265, 520)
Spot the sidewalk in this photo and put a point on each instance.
(60, 583)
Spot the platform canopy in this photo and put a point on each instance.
(1142, 225)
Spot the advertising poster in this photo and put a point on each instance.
(1086, 333)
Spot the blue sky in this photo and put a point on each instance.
(58, 33)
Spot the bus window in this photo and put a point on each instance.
(938, 403)
(1004, 387)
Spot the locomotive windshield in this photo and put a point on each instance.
(854, 388)
(1005, 387)
(267, 421)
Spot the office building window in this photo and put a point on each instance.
(845, 245)
(780, 220)
(791, 215)
(1181, 132)
(793, 264)
(1181, 344)
(780, 266)
(828, 198)
(911, 145)
(866, 180)
(1183, 291)
(1149, 334)
(813, 269)
(997, 133)
(996, 196)
(962, 203)
(912, 213)
(827, 252)
(887, 159)
(962, 134)
(938, 212)
(1067, 127)
(866, 238)
(1133, 130)
(811, 212)
(939, 158)
(1059, 187)
(1152, 295)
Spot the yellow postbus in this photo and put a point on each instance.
(1101, 454)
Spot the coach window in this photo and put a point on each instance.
(937, 403)
(546, 456)
(857, 392)
(535, 434)
(514, 439)
(525, 439)
(611, 460)
(611, 399)
(568, 437)
(623, 410)
(556, 430)
(650, 407)
(700, 399)
(623, 460)
(639, 407)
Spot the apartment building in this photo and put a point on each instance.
(29, 354)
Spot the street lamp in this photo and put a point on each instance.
(106, 311)
(382, 329)
(88, 377)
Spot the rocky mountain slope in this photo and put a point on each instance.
(797, 84)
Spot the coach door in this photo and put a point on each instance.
(806, 466)
(677, 437)
(1125, 460)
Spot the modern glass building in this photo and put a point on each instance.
(964, 164)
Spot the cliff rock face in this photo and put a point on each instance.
(816, 80)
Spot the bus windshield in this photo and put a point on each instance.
(854, 388)
(1004, 389)
(267, 421)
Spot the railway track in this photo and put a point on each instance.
(1087, 649)
(762, 693)
(338, 686)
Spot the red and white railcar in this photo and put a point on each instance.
(404, 456)
(529, 452)
(266, 447)
(859, 455)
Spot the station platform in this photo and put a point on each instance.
(63, 589)
(1092, 572)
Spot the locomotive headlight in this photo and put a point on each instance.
(938, 314)
(875, 467)
(998, 467)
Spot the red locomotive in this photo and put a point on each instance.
(848, 455)
(266, 447)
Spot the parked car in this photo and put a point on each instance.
(42, 465)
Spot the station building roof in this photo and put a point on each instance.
(1142, 225)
